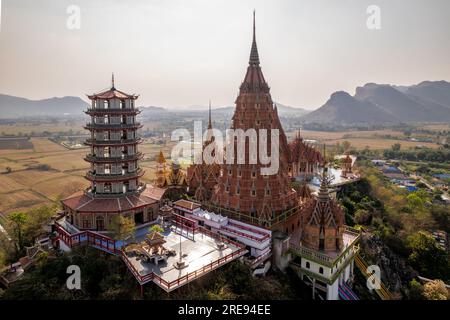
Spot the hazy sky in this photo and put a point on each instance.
(177, 53)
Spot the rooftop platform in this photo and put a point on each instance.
(202, 254)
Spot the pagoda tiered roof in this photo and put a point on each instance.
(84, 202)
(112, 93)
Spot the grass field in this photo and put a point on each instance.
(362, 139)
(377, 144)
(26, 186)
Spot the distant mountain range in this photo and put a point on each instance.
(15, 107)
(428, 101)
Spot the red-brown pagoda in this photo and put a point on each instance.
(323, 220)
(203, 177)
(305, 159)
(114, 158)
(242, 191)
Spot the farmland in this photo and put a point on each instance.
(46, 171)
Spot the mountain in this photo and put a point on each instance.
(342, 108)
(436, 91)
(428, 101)
(14, 107)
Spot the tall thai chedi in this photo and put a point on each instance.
(114, 143)
(242, 189)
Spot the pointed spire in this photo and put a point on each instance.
(112, 81)
(254, 56)
(209, 120)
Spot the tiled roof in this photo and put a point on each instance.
(112, 93)
(84, 203)
(186, 204)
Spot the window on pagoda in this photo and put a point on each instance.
(321, 270)
(105, 104)
(307, 265)
(122, 104)
(107, 188)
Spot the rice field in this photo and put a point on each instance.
(28, 186)
(379, 144)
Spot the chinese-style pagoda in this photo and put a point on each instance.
(114, 158)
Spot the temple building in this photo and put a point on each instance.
(305, 159)
(114, 173)
(324, 251)
(202, 177)
(243, 192)
(170, 178)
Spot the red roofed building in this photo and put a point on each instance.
(114, 158)
(202, 177)
(305, 159)
(243, 192)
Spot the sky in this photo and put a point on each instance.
(181, 53)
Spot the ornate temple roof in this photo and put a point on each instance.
(254, 78)
(323, 211)
(82, 202)
(301, 151)
(112, 93)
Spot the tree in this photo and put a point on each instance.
(156, 228)
(415, 290)
(17, 223)
(122, 227)
(346, 145)
(427, 257)
(363, 216)
(396, 147)
(435, 290)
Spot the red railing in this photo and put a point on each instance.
(191, 275)
(258, 260)
(91, 238)
(254, 230)
(97, 240)
(245, 235)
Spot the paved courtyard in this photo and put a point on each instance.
(197, 253)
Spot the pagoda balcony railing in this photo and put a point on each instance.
(117, 126)
(133, 157)
(322, 257)
(110, 142)
(113, 111)
(92, 192)
(114, 177)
